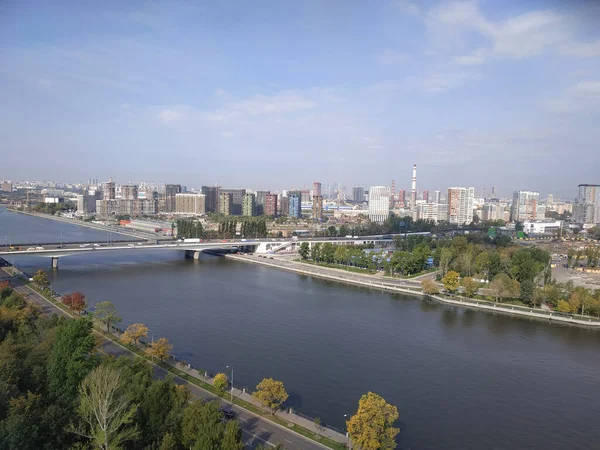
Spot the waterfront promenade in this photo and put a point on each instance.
(412, 287)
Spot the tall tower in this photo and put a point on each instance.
(413, 192)
(393, 195)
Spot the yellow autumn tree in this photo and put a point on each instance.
(430, 287)
(134, 333)
(160, 349)
(451, 281)
(220, 383)
(372, 427)
(270, 393)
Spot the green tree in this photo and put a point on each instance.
(41, 279)
(232, 437)
(106, 413)
(106, 313)
(445, 259)
(69, 360)
(504, 287)
(207, 425)
(372, 427)
(451, 281)
(304, 250)
(270, 393)
(221, 383)
(527, 291)
(470, 286)
(315, 252)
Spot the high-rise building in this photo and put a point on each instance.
(492, 211)
(460, 205)
(261, 202)
(237, 200)
(587, 207)
(437, 212)
(284, 205)
(171, 190)
(317, 202)
(437, 197)
(426, 196)
(190, 204)
(6, 186)
(129, 192)
(401, 202)
(86, 204)
(271, 205)
(249, 206)
(108, 190)
(305, 195)
(358, 194)
(526, 206)
(379, 203)
(295, 203)
(225, 203)
(413, 192)
(211, 194)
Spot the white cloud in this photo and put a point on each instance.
(583, 96)
(391, 57)
(283, 102)
(583, 50)
(525, 35)
(437, 82)
(406, 7)
(169, 115)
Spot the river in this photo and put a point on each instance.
(461, 379)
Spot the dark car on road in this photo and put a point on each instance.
(228, 414)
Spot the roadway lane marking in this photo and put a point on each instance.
(287, 440)
(259, 438)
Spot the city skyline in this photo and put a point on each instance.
(474, 93)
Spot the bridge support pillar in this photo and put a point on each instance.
(54, 263)
(192, 254)
(196, 255)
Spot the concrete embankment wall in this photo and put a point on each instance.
(487, 306)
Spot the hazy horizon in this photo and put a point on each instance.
(277, 95)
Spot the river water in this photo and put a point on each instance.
(461, 379)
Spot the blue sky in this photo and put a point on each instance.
(271, 94)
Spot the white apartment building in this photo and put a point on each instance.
(460, 205)
(190, 204)
(438, 212)
(526, 206)
(587, 207)
(379, 203)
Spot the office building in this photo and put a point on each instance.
(249, 205)
(108, 190)
(211, 198)
(261, 202)
(526, 206)
(190, 204)
(6, 186)
(295, 204)
(542, 226)
(460, 205)
(225, 203)
(271, 205)
(437, 197)
(379, 203)
(237, 200)
(171, 191)
(587, 207)
(425, 195)
(358, 194)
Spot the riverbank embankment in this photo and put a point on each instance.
(377, 283)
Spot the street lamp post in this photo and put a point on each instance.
(231, 391)
(348, 434)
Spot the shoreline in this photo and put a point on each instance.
(509, 310)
